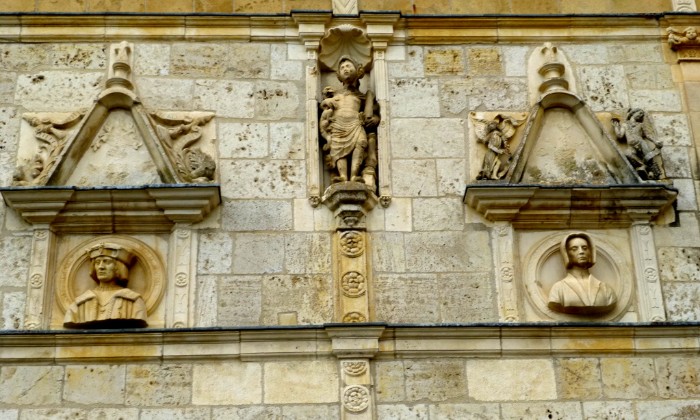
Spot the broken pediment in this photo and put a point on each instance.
(567, 170)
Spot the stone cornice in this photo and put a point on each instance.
(409, 28)
(392, 341)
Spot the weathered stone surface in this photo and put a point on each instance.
(263, 179)
(535, 411)
(301, 382)
(307, 253)
(668, 236)
(679, 264)
(282, 68)
(78, 56)
(451, 176)
(437, 214)
(13, 310)
(406, 298)
(656, 100)
(228, 98)
(199, 59)
(158, 385)
(682, 301)
(686, 194)
(243, 140)
(411, 138)
(454, 95)
(435, 380)
(8, 81)
(516, 380)
(14, 264)
(390, 381)
(247, 413)
(227, 383)
(612, 410)
(257, 253)
(207, 302)
(215, 251)
(52, 414)
(672, 129)
(174, 413)
(587, 54)
(579, 378)
(485, 61)
(9, 134)
(668, 410)
(402, 412)
(287, 140)
(24, 57)
(95, 384)
(465, 411)
(31, 385)
(309, 297)
(166, 93)
(152, 60)
(645, 76)
(388, 254)
(515, 60)
(58, 90)
(411, 67)
(414, 98)
(678, 377)
(121, 413)
(255, 215)
(432, 252)
(628, 378)
(466, 297)
(239, 300)
(248, 61)
(603, 88)
(507, 94)
(412, 178)
(398, 217)
(310, 412)
(277, 100)
(444, 61)
(642, 52)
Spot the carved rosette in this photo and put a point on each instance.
(353, 284)
(352, 243)
(354, 317)
(356, 398)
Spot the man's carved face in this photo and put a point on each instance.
(105, 268)
(347, 70)
(579, 252)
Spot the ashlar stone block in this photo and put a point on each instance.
(656, 100)
(121, 413)
(31, 385)
(390, 381)
(16, 252)
(174, 413)
(228, 383)
(678, 377)
(78, 56)
(587, 54)
(276, 179)
(515, 60)
(412, 66)
(485, 61)
(405, 298)
(239, 300)
(411, 178)
(158, 93)
(612, 410)
(641, 52)
(13, 310)
(672, 129)
(411, 138)
(414, 98)
(677, 161)
(207, 302)
(257, 215)
(402, 412)
(627, 378)
(451, 176)
(465, 411)
(435, 380)
(516, 380)
(398, 217)
(430, 214)
(24, 57)
(466, 297)
(301, 382)
(158, 384)
(199, 59)
(444, 61)
(310, 412)
(649, 76)
(52, 414)
(665, 409)
(682, 301)
(228, 98)
(94, 384)
(310, 297)
(248, 60)
(215, 250)
(277, 100)
(243, 140)
(454, 96)
(579, 378)
(436, 252)
(536, 411)
(58, 90)
(287, 140)
(307, 253)
(603, 87)
(257, 253)
(388, 254)
(507, 94)
(679, 264)
(152, 60)
(280, 67)
(247, 413)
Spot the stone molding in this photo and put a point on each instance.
(249, 344)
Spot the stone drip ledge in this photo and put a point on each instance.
(377, 340)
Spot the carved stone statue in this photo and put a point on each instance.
(111, 304)
(579, 292)
(495, 134)
(348, 123)
(689, 36)
(643, 150)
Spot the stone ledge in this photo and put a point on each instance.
(394, 342)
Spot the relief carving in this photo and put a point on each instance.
(579, 292)
(495, 135)
(356, 398)
(352, 243)
(687, 37)
(642, 148)
(50, 132)
(111, 304)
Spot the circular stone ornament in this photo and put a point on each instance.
(352, 243)
(355, 398)
(353, 284)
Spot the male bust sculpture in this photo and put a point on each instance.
(347, 123)
(111, 304)
(579, 292)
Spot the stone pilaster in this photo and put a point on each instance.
(41, 268)
(182, 264)
(651, 305)
(502, 238)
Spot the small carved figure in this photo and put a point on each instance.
(111, 304)
(579, 292)
(495, 134)
(688, 36)
(643, 150)
(347, 123)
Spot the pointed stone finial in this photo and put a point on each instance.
(552, 70)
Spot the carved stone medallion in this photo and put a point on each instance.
(352, 243)
(353, 284)
(354, 368)
(356, 398)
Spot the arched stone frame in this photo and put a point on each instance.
(542, 266)
(147, 276)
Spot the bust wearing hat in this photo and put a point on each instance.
(111, 304)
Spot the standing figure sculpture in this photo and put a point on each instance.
(495, 134)
(111, 304)
(579, 292)
(643, 150)
(348, 124)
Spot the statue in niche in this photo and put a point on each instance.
(111, 304)
(689, 36)
(642, 149)
(348, 123)
(495, 135)
(579, 292)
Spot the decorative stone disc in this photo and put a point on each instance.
(352, 243)
(353, 284)
(355, 398)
